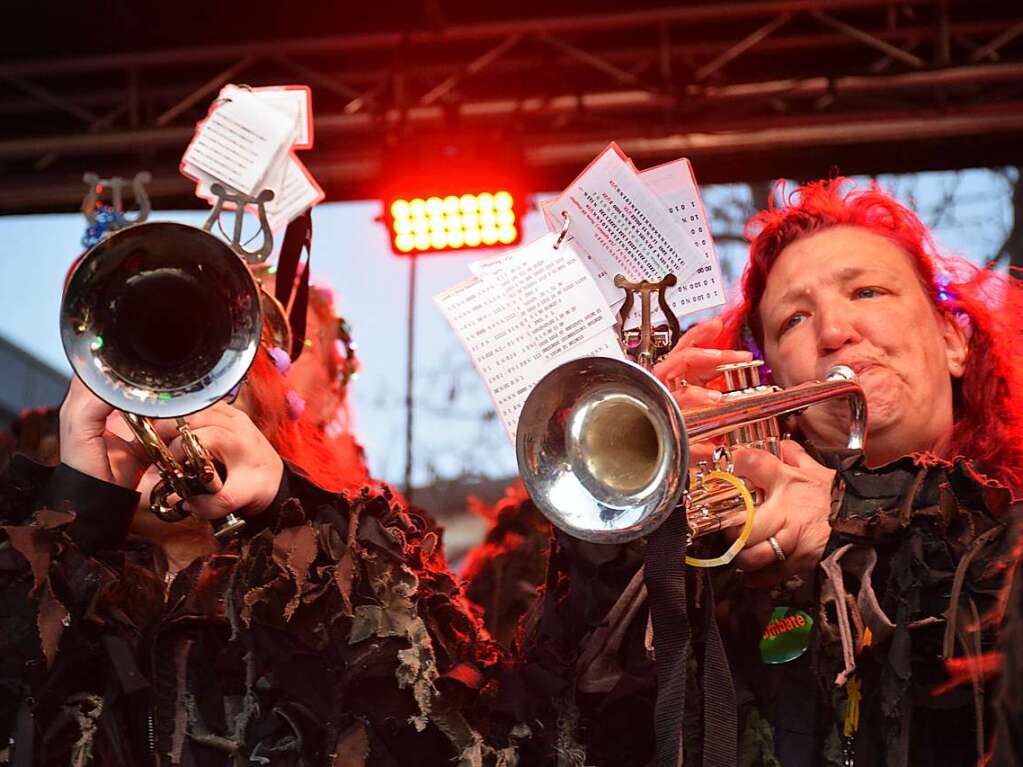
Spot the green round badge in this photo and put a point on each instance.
(787, 635)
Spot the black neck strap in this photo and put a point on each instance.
(665, 578)
(297, 237)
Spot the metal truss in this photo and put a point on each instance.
(745, 89)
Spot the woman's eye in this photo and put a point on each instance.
(792, 321)
(867, 292)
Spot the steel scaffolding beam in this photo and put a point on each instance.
(853, 78)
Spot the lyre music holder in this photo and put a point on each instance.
(647, 344)
(240, 200)
(92, 203)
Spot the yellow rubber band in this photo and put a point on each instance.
(747, 528)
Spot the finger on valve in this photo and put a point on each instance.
(793, 454)
(206, 478)
(167, 428)
(213, 507)
(768, 521)
(691, 397)
(761, 469)
(763, 472)
(219, 414)
(217, 441)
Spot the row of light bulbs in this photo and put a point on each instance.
(450, 205)
(436, 223)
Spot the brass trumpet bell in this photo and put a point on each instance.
(602, 446)
(161, 319)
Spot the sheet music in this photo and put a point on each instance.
(203, 181)
(675, 185)
(557, 298)
(537, 307)
(294, 188)
(622, 226)
(240, 141)
(498, 339)
(294, 101)
(298, 192)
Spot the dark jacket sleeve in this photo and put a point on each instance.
(298, 489)
(52, 522)
(102, 510)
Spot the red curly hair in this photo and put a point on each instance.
(297, 440)
(988, 399)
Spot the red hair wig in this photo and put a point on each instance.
(297, 440)
(988, 399)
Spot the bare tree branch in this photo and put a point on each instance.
(1012, 246)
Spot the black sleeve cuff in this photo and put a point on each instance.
(103, 510)
(294, 484)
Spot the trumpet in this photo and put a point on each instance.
(603, 447)
(161, 320)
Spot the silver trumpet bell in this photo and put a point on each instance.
(161, 320)
(602, 446)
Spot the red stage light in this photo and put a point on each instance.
(454, 222)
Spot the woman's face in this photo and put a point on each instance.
(847, 296)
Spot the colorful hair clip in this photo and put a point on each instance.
(281, 359)
(296, 405)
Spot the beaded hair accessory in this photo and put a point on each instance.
(102, 217)
(949, 300)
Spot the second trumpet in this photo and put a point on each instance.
(603, 448)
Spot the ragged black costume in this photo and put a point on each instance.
(332, 633)
(916, 558)
(915, 562)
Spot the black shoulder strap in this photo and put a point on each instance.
(665, 576)
(297, 237)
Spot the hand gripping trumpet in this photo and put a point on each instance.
(161, 320)
(603, 447)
